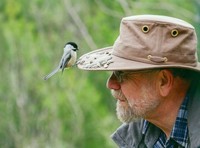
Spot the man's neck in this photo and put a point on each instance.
(165, 115)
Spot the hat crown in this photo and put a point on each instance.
(156, 39)
(158, 18)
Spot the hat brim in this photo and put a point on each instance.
(92, 61)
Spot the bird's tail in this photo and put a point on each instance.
(51, 74)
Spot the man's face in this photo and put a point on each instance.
(136, 95)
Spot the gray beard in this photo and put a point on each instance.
(130, 112)
(126, 114)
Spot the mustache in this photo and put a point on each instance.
(118, 95)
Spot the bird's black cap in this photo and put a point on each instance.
(73, 44)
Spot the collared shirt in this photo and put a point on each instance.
(179, 134)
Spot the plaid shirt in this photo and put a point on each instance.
(179, 134)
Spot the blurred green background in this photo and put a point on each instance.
(73, 109)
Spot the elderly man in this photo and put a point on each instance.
(155, 79)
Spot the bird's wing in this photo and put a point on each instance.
(65, 61)
(52, 73)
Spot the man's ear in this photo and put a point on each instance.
(166, 80)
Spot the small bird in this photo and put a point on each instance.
(68, 58)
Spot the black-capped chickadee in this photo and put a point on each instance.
(68, 58)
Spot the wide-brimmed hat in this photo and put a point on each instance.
(147, 42)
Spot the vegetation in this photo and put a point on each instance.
(73, 109)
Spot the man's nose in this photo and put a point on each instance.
(113, 83)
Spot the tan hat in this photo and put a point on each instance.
(146, 42)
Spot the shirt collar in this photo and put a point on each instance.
(180, 129)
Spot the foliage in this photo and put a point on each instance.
(73, 109)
